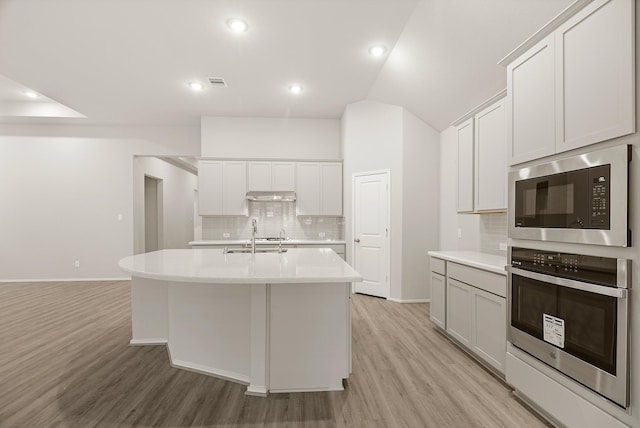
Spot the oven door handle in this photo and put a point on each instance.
(619, 293)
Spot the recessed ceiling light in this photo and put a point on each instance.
(237, 25)
(295, 89)
(377, 50)
(30, 94)
(196, 86)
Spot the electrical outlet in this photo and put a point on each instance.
(77, 263)
(269, 214)
(226, 235)
(503, 246)
(120, 217)
(459, 233)
(321, 234)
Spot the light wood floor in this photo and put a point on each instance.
(65, 362)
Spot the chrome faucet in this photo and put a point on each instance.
(254, 225)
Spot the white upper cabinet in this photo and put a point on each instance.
(266, 176)
(464, 133)
(331, 189)
(482, 154)
(530, 104)
(319, 188)
(259, 176)
(283, 176)
(490, 159)
(595, 75)
(210, 187)
(576, 86)
(222, 188)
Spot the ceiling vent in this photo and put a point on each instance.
(217, 82)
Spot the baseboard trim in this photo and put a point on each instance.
(210, 371)
(256, 392)
(127, 278)
(409, 300)
(147, 342)
(206, 370)
(323, 389)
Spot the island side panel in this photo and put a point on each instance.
(309, 337)
(260, 330)
(210, 329)
(149, 311)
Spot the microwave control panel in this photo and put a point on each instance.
(599, 181)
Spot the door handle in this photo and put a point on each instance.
(356, 240)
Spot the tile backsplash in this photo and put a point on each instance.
(272, 218)
(493, 232)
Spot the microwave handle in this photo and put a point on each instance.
(619, 293)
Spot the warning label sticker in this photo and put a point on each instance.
(553, 330)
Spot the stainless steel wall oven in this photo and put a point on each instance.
(579, 199)
(571, 312)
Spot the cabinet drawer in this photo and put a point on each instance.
(438, 266)
(491, 282)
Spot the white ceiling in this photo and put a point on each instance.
(445, 62)
(128, 62)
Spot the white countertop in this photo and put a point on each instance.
(297, 265)
(272, 243)
(484, 261)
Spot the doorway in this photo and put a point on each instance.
(371, 232)
(153, 219)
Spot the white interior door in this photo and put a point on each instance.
(370, 233)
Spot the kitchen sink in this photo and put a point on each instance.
(258, 250)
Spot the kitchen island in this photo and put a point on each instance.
(278, 322)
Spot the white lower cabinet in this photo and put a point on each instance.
(489, 328)
(470, 305)
(438, 302)
(459, 311)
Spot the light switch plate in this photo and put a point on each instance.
(503, 246)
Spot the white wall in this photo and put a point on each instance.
(450, 220)
(371, 141)
(270, 138)
(62, 188)
(420, 213)
(177, 202)
(379, 136)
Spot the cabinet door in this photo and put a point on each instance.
(234, 191)
(308, 188)
(458, 312)
(437, 306)
(489, 328)
(465, 166)
(595, 75)
(259, 176)
(331, 189)
(530, 103)
(210, 188)
(283, 176)
(490, 159)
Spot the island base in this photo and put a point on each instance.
(271, 337)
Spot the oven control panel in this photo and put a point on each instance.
(600, 270)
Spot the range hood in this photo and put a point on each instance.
(273, 196)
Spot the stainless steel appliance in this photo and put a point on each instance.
(579, 199)
(571, 312)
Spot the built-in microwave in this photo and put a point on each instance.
(578, 199)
